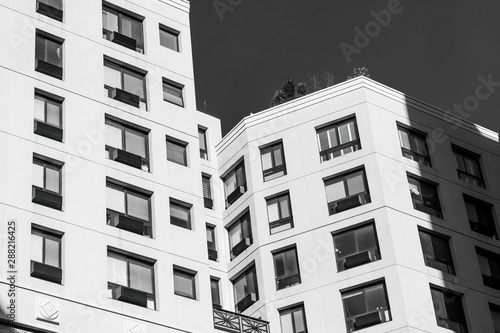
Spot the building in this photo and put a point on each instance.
(124, 210)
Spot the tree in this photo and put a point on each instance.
(315, 84)
(359, 71)
(289, 91)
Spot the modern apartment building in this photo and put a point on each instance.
(354, 208)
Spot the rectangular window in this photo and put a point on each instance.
(245, 289)
(425, 197)
(273, 161)
(180, 214)
(125, 84)
(286, 268)
(235, 183)
(468, 166)
(480, 217)
(202, 139)
(414, 146)
(436, 250)
(47, 182)
(50, 8)
(48, 54)
(240, 235)
(293, 319)
(176, 151)
(169, 38)
(172, 92)
(489, 264)
(46, 254)
(127, 144)
(448, 309)
(346, 191)
(129, 208)
(355, 247)
(48, 115)
(366, 306)
(184, 282)
(279, 212)
(211, 243)
(131, 279)
(207, 191)
(495, 317)
(338, 139)
(214, 288)
(122, 27)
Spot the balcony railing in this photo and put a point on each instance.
(237, 323)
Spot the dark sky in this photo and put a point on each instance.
(435, 51)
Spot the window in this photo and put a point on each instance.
(495, 317)
(202, 138)
(214, 288)
(127, 144)
(240, 235)
(413, 145)
(468, 166)
(176, 151)
(480, 217)
(273, 161)
(122, 27)
(347, 191)
(48, 54)
(50, 8)
(286, 268)
(128, 208)
(172, 92)
(211, 243)
(365, 306)
(169, 38)
(436, 251)
(184, 282)
(489, 264)
(338, 139)
(131, 279)
(356, 247)
(245, 289)
(47, 182)
(235, 183)
(279, 213)
(293, 319)
(46, 254)
(207, 191)
(448, 309)
(425, 197)
(125, 84)
(180, 214)
(48, 115)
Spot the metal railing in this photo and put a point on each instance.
(234, 322)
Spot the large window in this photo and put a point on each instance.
(468, 166)
(436, 251)
(355, 247)
(286, 268)
(180, 214)
(448, 309)
(127, 144)
(47, 182)
(293, 319)
(273, 161)
(176, 151)
(184, 282)
(346, 191)
(489, 264)
(279, 212)
(207, 191)
(245, 289)
(240, 235)
(413, 145)
(480, 217)
(235, 183)
(214, 288)
(211, 243)
(128, 208)
(172, 92)
(366, 305)
(48, 54)
(48, 115)
(125, 84)
(495, 317)
(338, 139)
(131, 279)
(169, 38)
(122, 27)
(202, 139)
(50, 8)
(425, 197)
(46, 254)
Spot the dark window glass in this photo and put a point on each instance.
(180, 214)
(169, 38)
(293, 320)
(347, 191)
(448, 309)
(286, 268)
(436, 251)
(207, 191)
(130, 83)
(425, 197)
(495, 317)
(214, 288)
(211, 243)
(49, 50)
(480, 217)
(489, 264)
(273, 161)
(279, 213)
(202, 138)
(235, 183)
(468, 167)
(46, 247)
(47, 176)
(48, 110)
(413, 146)
(338, 139)
(172, 92)
(184, 283)
(245, 289)
(356, 247)
(240, 235)
(176, 151)
(116, 23)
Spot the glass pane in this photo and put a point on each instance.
(52, 252)
(176, 153)
(355, 183)
(54, 3)
(112, 76)
(54, 53)
(419, 144)
(52, 179)
(40, 108)
(210, 235)
(291, 263)
(484, 265)
(441, 250)
(136, 30)
(279, 264)
(495, 315)
(332, 137)
(109, 21)
(472, 166)
(365, 238)
(439, 305)
(344, 133)
(36, 246)
(207, 193)
(138, 206)
(117, 269)
(354, 304)
(240, 289)
(126, 25)
(135, 143)
(375, 298)
(460, 161)
(172, 94)
(114, 136)
(235, 235)
(202, 139)
(179, 212)
(286, 323)
(133, 83)
(345, 244)
(169, 40)
(278, 161)
(284, 206)
(115, 200)
(335, 191)
(300, 325)
(214, 286)
(183, 283)
(37, 171)
(404, 139)
(425, 241)
(230, 183)
(141, 277)
(272, 210)
(471, 212)
(53, 113)
(323, 140)
(40, 48)
(267, 162)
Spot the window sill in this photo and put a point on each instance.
(132, 296)
(46, 198)
(46, 272)
(48, 130)
(49, 11)
(48, 69)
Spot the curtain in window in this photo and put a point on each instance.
(52, 179)
(176, 152)
(137, 206)
(52, 251)
(140, 277)
(135, 143)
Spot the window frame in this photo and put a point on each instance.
(418, 199)
(240, 189)
(293, 309)
(495, 308)
(186, 273)
(184, 205)
(120, 14)
(282, 221)
(42, 269)
(206, 182)
(294, 278)
(464, 153)
(43, 63)
(170, 32)
(271, 173)
(173, 86)
(50, 164)
(436, 260)
(211, 245)
(449, 297)
(179, 144)
(202, 138)
(47, 97)
(247, 300)
(44, 8)
(424, 159)
(354, 145)
(215, 281)
(363, 197)
(493, 259)
(246, 234)
(487, 229)
(123, 68)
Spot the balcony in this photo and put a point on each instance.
(237, 323)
